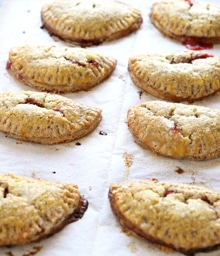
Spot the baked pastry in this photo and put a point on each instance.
(33, 209)
(177, 130)
(45, 118)
(187, 19)
(59, 69)
(87, 22)
(181, 76)
(180, 216)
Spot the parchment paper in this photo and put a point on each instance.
(99, 160)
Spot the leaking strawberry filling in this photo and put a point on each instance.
(33, 102)
(190, 2)
(193, 43)
(8, 65)
(94, 63)
(58, 110)
(174, 129)
(168, 191)
(205, 198)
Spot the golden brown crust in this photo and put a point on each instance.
(90, 22)
(179, 19)
(59, 69)
(180, 216)
(176, 130)
(33, 209)
(181, 76)
(45, 118)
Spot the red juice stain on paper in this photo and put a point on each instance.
(196, 44)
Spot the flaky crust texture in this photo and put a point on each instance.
(59, 69)
(181, 216)
(45, 118)
(179, 19)
(180, 76)
(90, 22)
(32, 209)
(176, 130)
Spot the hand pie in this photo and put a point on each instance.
(180, 216)
(45, 118)
(87, 22)
(59, 69)
(184, 76)
(187, 19)
(176, 130)
(33, 209)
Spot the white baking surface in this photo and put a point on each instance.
(100, 159)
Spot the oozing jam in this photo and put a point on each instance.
(202, 56)
(168, 191)
(8, 65)
(93, 62)
(174, 129)
(33, 102)
(205, 198)
(196, 44)
(58, 110)
(191, 2)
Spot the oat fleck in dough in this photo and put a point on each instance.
(181, 76)
(33, 209)
(180, 216)
(59, 69)
(89, 22)
(45, 118)
(179, 19)
(177, 130)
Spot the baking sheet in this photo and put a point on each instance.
(95, 161)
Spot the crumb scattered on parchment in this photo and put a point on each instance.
(140, 94)
(179, 170)
(34, 251)
(132, 246)
(122, 78)
(128, 159)
(165, 249)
